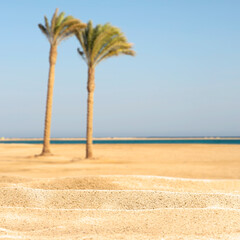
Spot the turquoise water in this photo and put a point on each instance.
(135, 141)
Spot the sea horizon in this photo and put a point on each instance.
(126, 137)
(128, 140)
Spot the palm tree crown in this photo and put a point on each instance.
(102, 42)
(61, 27)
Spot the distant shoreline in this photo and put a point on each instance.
(122, 138)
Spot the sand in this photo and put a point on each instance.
(128, 192)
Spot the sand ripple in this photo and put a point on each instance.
(119, 207)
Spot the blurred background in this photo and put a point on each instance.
(184, 80)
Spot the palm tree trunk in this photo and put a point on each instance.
(90, 88)
(48, 115)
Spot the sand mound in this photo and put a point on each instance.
(119, 207)
(114, 199)
(126, 183)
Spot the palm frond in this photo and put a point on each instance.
(89, 35)
(59, 19)
(53, 21)
(47, 24)
(68, 26)
(81, 53)
(80, 37)
(116, 52)
(45, 32)
(70, 31)
(111, 44)
(67, 18)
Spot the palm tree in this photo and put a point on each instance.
(99, 43)
(61, 27)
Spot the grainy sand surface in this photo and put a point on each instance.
(145, 192)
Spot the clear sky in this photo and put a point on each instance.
(184, 80)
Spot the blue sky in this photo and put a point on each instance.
(184, 80)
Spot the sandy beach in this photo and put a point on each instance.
(155, 191)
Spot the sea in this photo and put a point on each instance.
(218, 140)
